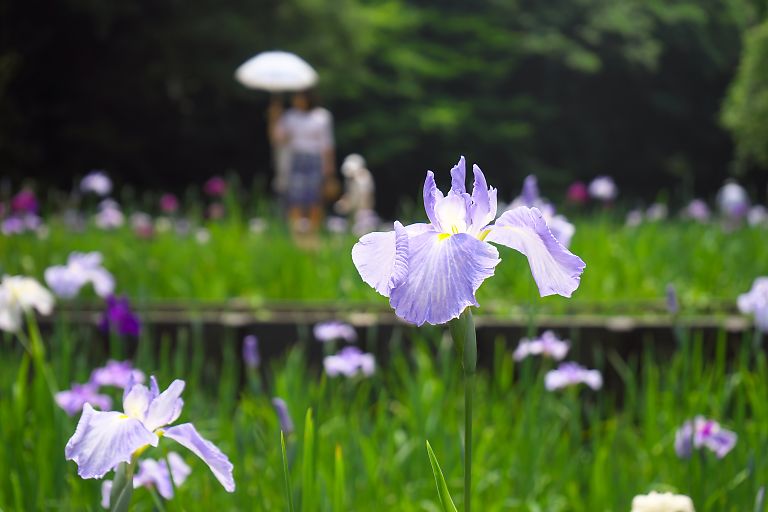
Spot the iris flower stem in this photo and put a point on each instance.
(469, 383)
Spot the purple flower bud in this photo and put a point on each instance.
(120, 318)
(24, 202)
(169, 203)
(251, 351)
(673, 306)
(286, 423)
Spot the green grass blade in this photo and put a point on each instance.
(286, 474)
(442, 488)
(308, 466)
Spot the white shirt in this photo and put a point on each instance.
(307, 132)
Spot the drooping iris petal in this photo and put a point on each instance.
(166, 407)
(382, 259)
(102, 440)
(484, 202)
(187, 436)
(555, 269)
(444, 274)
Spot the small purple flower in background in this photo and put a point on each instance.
(703, 432)
(215, 186)
(109, 215)
(335, 330)
(733, 201)
(154, 473)
(120, 318)
(281, 408)
(571, 374)
(603, 188)
(548, 345)
(215, 211)
(20, 295)
(104, 439)
(657, 212)
(430, 272)
(697, 210)
(634, 218)
(142, 225)
(251, 351)
(96, 182)
(169, 203)
(757, 216)
(530, 194)
(755, 302)
(73, 400)
(81, 269)
(577, 193)
(673, 305)
(350, 361)
(120, 374)
(24, 202)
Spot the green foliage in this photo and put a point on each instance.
(745, 112)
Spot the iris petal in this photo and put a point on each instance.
(484, 203)
(382, 258)
(166, 407)
(443, 275)
(187, 436)
(555, 269)
(431, 195)
(459, 177)
(102, 440)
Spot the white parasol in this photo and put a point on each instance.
(276, 72)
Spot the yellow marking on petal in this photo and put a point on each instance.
(484, 234)
(123, 417)
(454, 229)
(159, 432)
(443, 236)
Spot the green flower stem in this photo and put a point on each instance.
(464, 335)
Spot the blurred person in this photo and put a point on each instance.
(306, 130)
(359, 187)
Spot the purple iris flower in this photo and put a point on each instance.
(13, 225)
(571, 374)
(755, 302)
(24, 202)
(430, 272)
(169, 203)
(215, 187)
(251, 351)
(154, 473)
(634, 218)
(120, 374)
(673, 305)
(603, 188)
(733, 201)
(703, 432)
(577, 193)
(73, 400)
(548, 345)
(109, 216)
(757, 215)
(334, 330)
(286, 423)
(350, 362)
(657, 212)
(120, 318)
(697, 210)
(530, 195)
(81, 269)
(102, 440)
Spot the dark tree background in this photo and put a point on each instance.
(565, 89)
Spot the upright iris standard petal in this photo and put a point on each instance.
(187, 436)
(459, 177)
(382, 259)
(484, 202)
(166, 407)
(555, 269)
(444, 274)
(102, 440)
(431, 195)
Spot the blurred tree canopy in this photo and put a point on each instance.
(565, 89)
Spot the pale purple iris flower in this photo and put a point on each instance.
(603, 188)
(109, 215)
(706, 433)
(81, 269)
(757, 216)
(733, 201)
(103, 440)
(283, 415)
(251, 351)
(547, 345)
(333, 331)
(755, 302)
(96, 182)
(154, 473)
(430, 272)
(120, 318)
(350, 362)
(671, 300)
(73, 400)
(530, 195)
(571, 374)
(697, 210)
(634, 218)
(657, 212)
(120, 374)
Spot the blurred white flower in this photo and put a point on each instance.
(202, 236)
(603, 188)
(109, 216)
(81, 269)
(662, 502)
(96, 182)
(18, 295)
(757, 216)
